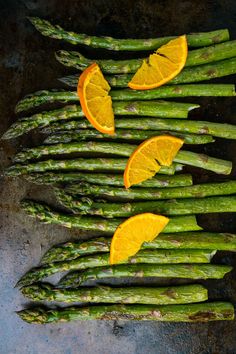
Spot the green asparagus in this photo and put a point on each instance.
(160, 108)
(227, 131)
(109, 180)
(166, 207)
(49, 216)
(42, 97)
(200, 56)
(203, 312)
(196, 191)
(153, 109)
(188, 75)
(84, 164)
(186, 271)
(122, 149)
(57, 32)
(24, 125)
(124, 135)
(198, 90)
(180, 240)
(100, 260)
(128, 295)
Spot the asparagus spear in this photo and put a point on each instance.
(82, 164)
(154, 109)
(203, 312)
(188, 75)
(196, 191)
(123, 134)
(100, 260)
(39, 98)
(196, 57)
(227, 131)
(49, 216)
(179, 240)
(203, 161)
(170, 207)
(109, 180)
(128, 295)
(160, 108)
(43, 119)
(57, 32)
(122, 149)
(42, 97)
(192, 74)
(198, 90)
(186, 271)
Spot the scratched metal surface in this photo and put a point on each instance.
(27, 64)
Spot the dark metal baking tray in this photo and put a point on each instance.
(27, 64)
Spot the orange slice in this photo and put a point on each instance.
(162, 66)
(96, 104)
(147, 158)
(130, 235)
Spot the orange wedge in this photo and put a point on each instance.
(162, 66)
(147, 158)
(96, 104)
(130, 235)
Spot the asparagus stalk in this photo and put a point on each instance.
(170, 207)
(196, 191)
(39, 98)
(100, 260)
(200, 56)
(42, 97)
(82, 164)
(188, 75)
(158, 108)
(109, 180)
(227, 131)
(203, 312)
(186, 271)
(24, 125)
(57, 32)
(203, 161)
(122, 149)
(179, 240)
(155, 109)
(128, 295)
(195, 90)
(49, 216)
(123, 134)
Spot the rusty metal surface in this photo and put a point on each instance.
(27, 64)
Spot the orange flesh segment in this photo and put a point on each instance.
(132, 233)
(162, 66)
(148, 157)
(95, 101)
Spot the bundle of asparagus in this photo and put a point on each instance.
(182, 250)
